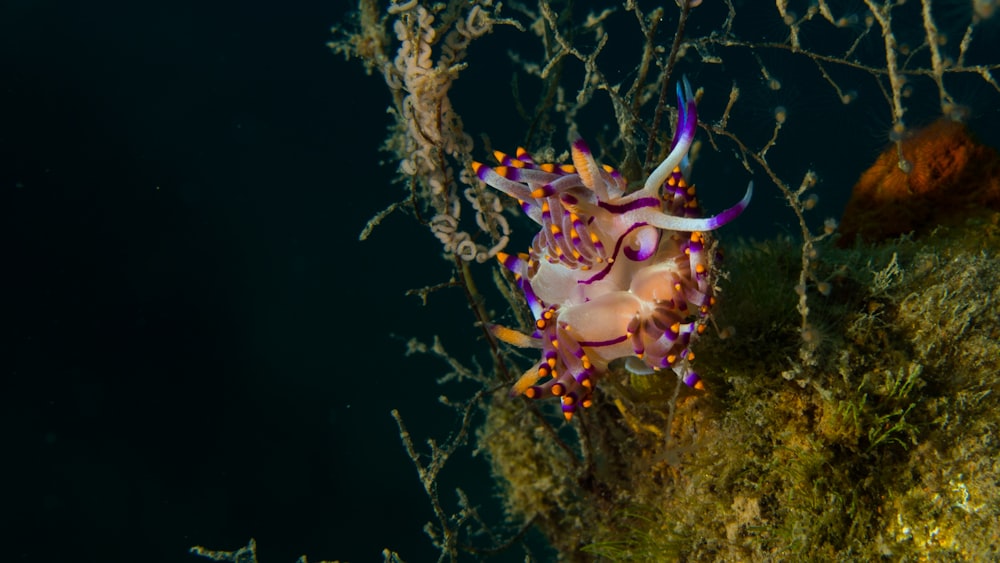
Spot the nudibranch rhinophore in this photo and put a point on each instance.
(610, 274)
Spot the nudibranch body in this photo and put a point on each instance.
(610, 274)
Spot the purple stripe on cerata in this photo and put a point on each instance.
(644, 252)
(512, 262)
(630, 206)
(691, 379)
(690, 120)
(570, 405)
(696, 297)
(547, 190)
(604, 271)
(725, 217)
(681, 117)
(609, 342)
(534, 303)
(581, 146)
(731, 213)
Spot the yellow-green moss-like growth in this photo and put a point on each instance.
(888, 448)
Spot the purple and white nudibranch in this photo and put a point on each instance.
(610, 274)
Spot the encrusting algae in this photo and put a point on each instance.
(888, 450)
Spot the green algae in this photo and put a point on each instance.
(887, 448)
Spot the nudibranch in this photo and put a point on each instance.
(611, 274)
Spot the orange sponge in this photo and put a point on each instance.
(951, 177)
